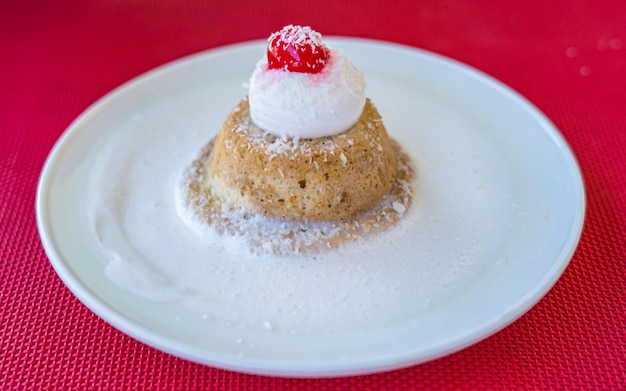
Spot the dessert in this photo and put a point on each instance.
(304, 161)
(326, 178)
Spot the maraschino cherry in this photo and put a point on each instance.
(297, 49)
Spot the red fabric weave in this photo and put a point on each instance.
(567, 57)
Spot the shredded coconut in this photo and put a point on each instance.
(298, 35)
(279, 145)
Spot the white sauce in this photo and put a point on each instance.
(445, 242)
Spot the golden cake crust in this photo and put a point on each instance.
(323, 179)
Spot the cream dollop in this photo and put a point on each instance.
(306, 105)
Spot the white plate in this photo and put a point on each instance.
(529, 194)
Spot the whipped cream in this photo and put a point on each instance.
(306, 105)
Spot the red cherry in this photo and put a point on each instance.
(297, 49)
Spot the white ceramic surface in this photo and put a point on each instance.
(535, 171)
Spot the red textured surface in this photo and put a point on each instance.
(567, 57)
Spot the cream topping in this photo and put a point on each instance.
(306, 105)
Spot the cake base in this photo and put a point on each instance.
(267, 235)
(328, 178)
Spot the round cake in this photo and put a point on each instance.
(303, 163)
(322, 179)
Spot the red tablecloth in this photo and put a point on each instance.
(567, 57)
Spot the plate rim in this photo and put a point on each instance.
(471, 337)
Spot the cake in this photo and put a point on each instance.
(305, 150)
(328, 178)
